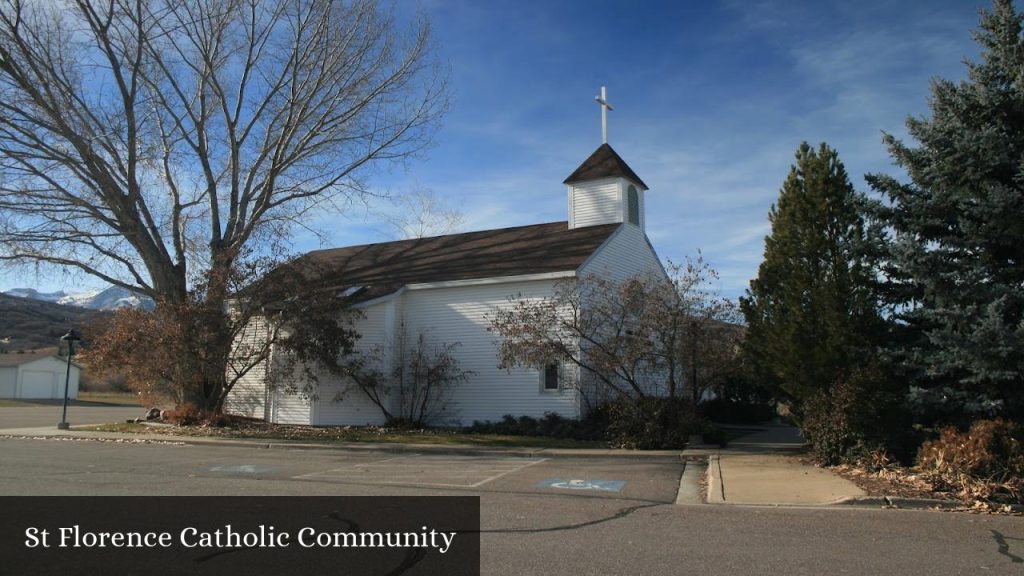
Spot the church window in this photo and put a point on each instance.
(633, 201)
(551, 377)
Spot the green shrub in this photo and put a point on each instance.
(647, 424)
(858, 415)
(653, 423)
(508, 426)
(986, 462)
(551, 425)
(830, 424)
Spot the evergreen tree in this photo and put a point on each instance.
(811, 307)
(956, 256)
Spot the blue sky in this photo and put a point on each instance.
(711, 101)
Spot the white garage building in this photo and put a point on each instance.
(36, 374)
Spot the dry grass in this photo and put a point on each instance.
(84, 399)
(119, 398)
(234, 427)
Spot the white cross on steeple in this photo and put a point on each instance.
(605, 107)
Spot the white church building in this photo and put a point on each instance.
(448, 287)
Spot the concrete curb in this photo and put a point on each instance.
(911, 503)
(905, 503)
(386, 447)
(716, 489)
(689, 492)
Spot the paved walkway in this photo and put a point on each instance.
(764, 468)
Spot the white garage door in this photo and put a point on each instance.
(37, 384)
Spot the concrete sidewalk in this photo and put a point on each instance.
(764, 468)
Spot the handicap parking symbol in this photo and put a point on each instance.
(575, 484)
(239, 469)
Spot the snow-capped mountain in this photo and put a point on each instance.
(35, 294)
(112, 298)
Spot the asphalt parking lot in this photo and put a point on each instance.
(655, 480)
(532, 526)
(107, 467)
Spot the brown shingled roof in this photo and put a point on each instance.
(385, 267)
(604, 163)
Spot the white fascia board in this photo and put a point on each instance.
(661, 265)
(471, 282)
(492, 280)
(571, 193)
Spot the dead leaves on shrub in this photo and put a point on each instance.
(984, 464)
(983, 468)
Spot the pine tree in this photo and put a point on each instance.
(956, 257)
(811, 307)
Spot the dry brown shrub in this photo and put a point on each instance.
(985, 464)
(188, 414)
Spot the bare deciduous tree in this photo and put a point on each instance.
(421, 214)
(646, 335)
(417, 389)
(600, 328)
(698, 330)
(154, 144)
(191, 353)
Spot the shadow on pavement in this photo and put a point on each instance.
(767, 439)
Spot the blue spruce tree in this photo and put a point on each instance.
(955, 262)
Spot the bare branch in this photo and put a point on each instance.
(154, 145)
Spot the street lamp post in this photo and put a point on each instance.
(71, 337)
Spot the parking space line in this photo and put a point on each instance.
(481, 483)
(414, 469)
(371, 463)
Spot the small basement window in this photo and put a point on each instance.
(550, 377)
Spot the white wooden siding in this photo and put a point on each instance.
(462, 315)
(248, 396)
(595, 202)
(289, 408)
(8, 381)
(626, 253)
(337, 402)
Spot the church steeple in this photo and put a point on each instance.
(604, 190)
(604, 163)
